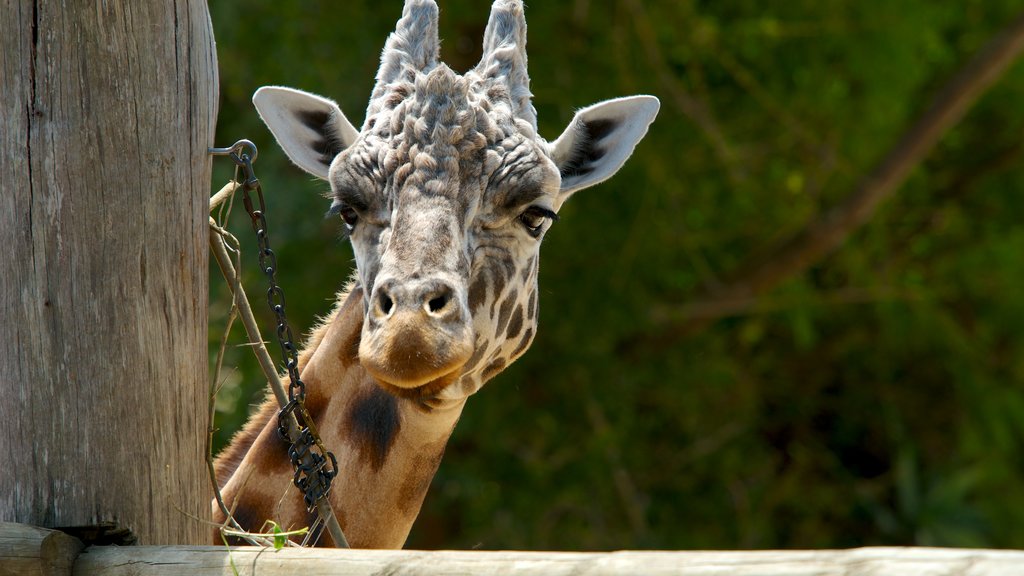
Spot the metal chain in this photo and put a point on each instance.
(306, 452)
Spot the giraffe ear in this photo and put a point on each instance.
(600, 139)
(311, 130)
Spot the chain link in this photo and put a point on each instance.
(315, 466)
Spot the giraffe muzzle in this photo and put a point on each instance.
(417, 335)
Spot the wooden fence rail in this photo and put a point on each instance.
(31, 551)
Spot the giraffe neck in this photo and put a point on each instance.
(388, 448)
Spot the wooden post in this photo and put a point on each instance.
(108, 109)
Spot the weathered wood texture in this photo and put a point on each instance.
(108, 109)
(196, 561)
(30, 551)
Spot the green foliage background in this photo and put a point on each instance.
(877, 398)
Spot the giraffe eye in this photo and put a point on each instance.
(347, 213)
(349, 216)
(534, 217)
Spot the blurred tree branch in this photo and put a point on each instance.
(691, 106)
(960, 186)
(830, 229)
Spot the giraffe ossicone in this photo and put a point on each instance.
(446, 192)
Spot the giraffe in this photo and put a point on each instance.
(445, 194)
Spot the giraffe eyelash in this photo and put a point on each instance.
(546, 212)
(348, 215)
(533, 219)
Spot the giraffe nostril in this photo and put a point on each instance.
(437, 303)
(385, 303)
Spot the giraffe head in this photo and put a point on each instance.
(446, 193)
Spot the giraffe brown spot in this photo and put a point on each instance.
(528, 269)
(494, 368)
(477, 292)
(373, 423)
(524, 343)
(316, 406)
(481, 347)
(415, 484)
(531, 312)
(499, 286)
(506, 309)
(231, 457)
(274, 461)
(515, 324)
(510, 267)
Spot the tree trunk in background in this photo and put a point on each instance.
(107, 112)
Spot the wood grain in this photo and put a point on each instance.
(108, 111)
(196, 561)
(30, 551)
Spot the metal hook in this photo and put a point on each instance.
(237, 152)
